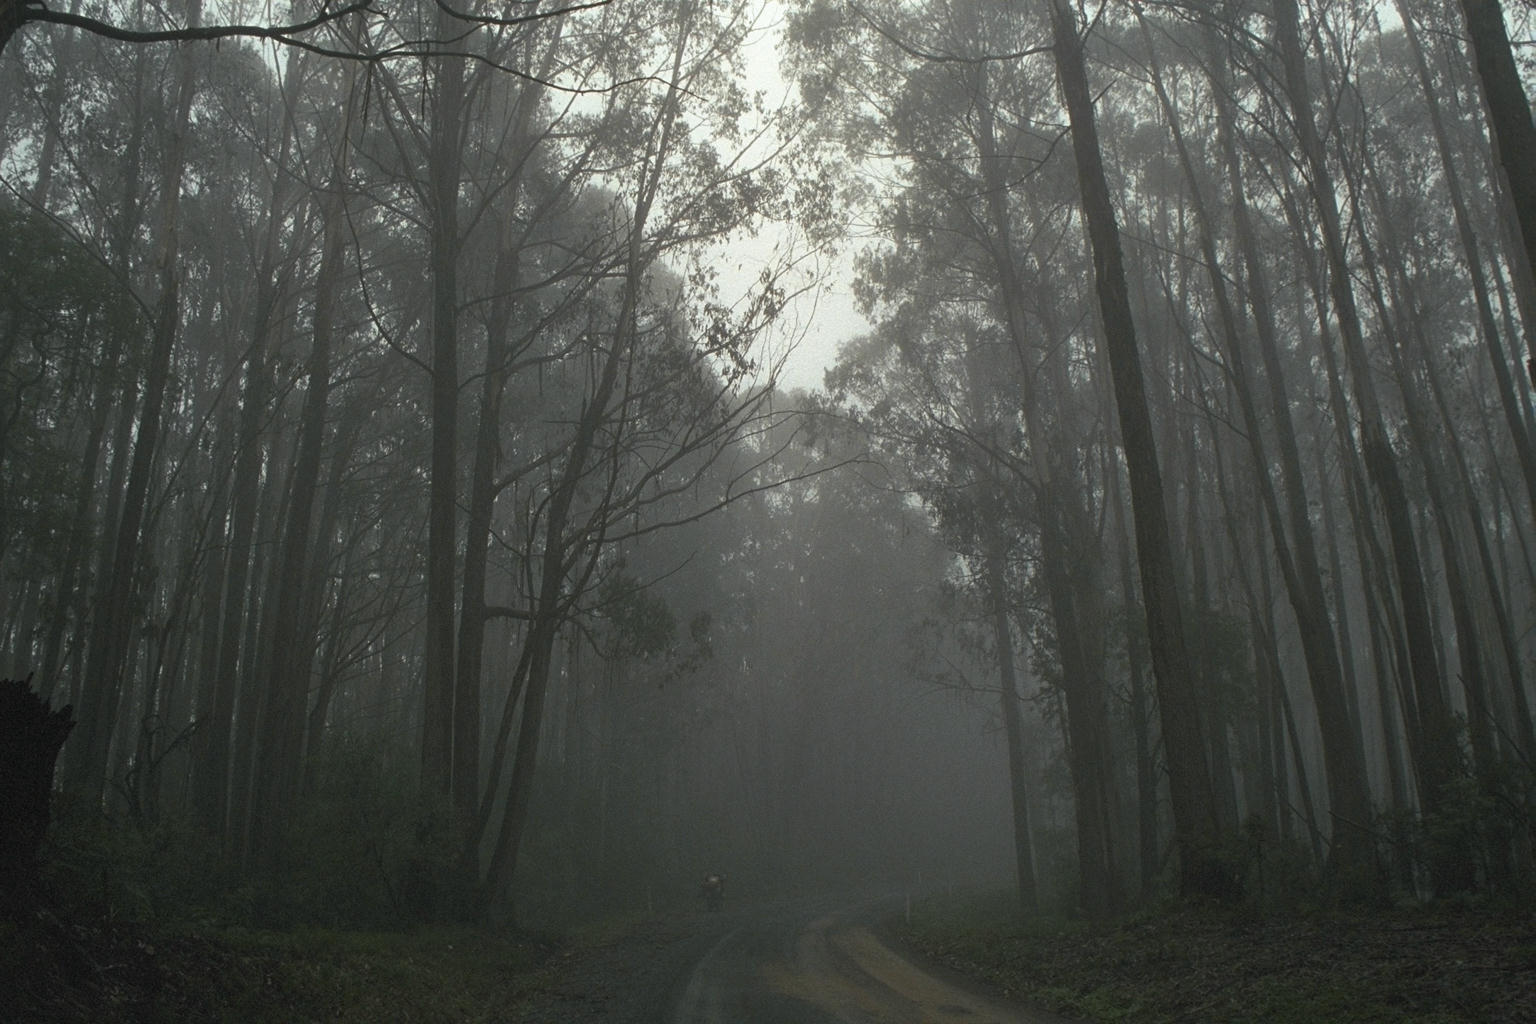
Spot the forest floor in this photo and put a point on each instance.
(1406, 966)
(123, 973)
(1420, 966)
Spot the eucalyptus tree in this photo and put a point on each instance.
(1508, 110)
(1438, 758)
(966, 264)
(50, 369)
(1466, 230)
(1285, 502)
(637, 376)
(1508, 383)
(233, 605)
(1197, 822)
(291, 628)
(107, 652)
(989, 177)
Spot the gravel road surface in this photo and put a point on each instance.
(804, 962)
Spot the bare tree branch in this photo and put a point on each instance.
(16, 13)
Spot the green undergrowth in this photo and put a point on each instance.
(120, 973)
(1404, 966)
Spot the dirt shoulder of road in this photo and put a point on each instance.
(1426, 966)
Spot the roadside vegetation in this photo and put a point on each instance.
(143, 926)
(112, 972)
(1444, 964)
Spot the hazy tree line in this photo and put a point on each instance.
(410, 515)
(404, 502)
(1200, 329)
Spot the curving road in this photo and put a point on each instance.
(812, 965)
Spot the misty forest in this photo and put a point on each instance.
(477, 469)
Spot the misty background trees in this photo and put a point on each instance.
(1264, 240)
(399, 483)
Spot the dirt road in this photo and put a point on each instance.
(812, 966)
(808, 962)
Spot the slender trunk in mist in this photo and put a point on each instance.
(344, 447)
(1273, 778)
(1497, 600)
(444, 170)
(1289, 757)
(1504, 381)
(124, 232)
(53, 109)
(212, 744)
(560, 550)
(1075, 612)
(70, 608)
(111, 634)
(1196, 825)
(1400, 328)
(467, 795)
(1343, 750)
(1216, 717)
(477, 533)
(1149, 856)
(280, 757)
(542, 634)
(556, 557)
(1013, 730)
(1471, 253)
(1384, 623)
(1509, 114)
(255, 666)
(482, 497)
(1445, 510)
(1073, 586)
(1439, 754)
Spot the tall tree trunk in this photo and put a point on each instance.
(560, 551)
(1196, 825)
(255, 666)
(445, 169)
(1073, 583)
(65, 47)
(280, 757)
(315, 586)
(1300, 571)
(1013, 728)
(1439, 756)
(112, 626)
(1471, 254)
(1407, 323)
(1147, 847)
(499, 355)
(477, 534)
(211, 749)
(1509, 115)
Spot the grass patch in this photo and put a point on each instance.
(122, 973)
(1440, 966)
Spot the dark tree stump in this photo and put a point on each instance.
(30, 739)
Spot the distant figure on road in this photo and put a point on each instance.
(714, 891)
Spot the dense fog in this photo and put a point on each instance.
(399, 483)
